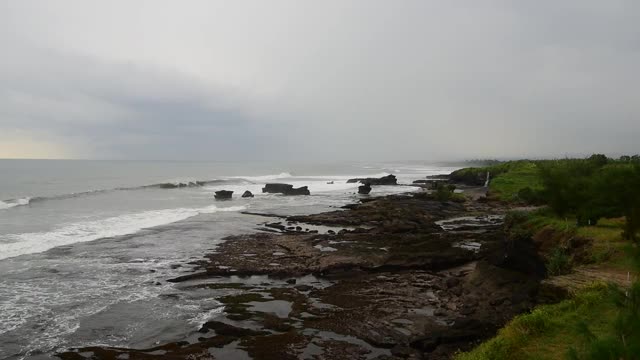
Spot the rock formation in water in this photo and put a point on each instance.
(286, 189)
(223, 195)
(385, 180)
(364, 189)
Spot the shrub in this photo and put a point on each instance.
(530, 196)
(558, 261)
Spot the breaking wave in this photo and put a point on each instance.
(178, 184)
(8, 204)
(28, 243)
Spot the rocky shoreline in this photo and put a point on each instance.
(395, 277)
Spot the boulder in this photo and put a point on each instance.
(223, 195)
(364, 189)
(276, 188)
(247, 194)
(303, 190)
(385, 180)
(286, 189)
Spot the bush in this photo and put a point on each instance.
(444, 192)
(530, 196)
(624, 341)
(558, 262)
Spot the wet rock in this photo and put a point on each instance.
(402, 351)
(286, 189)
(276, 188)
(276, 225)
(227, 330)
(385, 180)
(303, 190)
(364, 189)
(452, 282)
(223, 195)
(291, 281)
(247, 194)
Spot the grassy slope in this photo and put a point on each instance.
(550, 330)
(522, 174)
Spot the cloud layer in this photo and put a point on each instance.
(323, 80)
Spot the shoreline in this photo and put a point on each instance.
(407, 287)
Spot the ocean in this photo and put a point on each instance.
(86, 247)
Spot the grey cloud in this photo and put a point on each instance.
(329, 80)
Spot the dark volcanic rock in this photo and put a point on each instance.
(364, 189)
(227, 330)
(223, 195)
(247, 194)
(286, 189)
(303, 190)
(276, 225)
(276, 188)
(385, 180)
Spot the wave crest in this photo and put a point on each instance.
(8, 204)
(29, 243)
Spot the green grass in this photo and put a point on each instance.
(520, 175)
(549, 330)
(608, 248)
(608, 245)
(506, 178)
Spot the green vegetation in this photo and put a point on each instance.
(523, 177)
(597, 323)
(443, 192)
(589, 214)
(558, 262)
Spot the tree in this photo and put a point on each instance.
(598, 160)
(618, 194)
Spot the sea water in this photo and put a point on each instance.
(86, 247)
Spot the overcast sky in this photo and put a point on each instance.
(359, 80)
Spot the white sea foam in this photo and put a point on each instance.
(200, 317)
(29, 243)
(283, 175)
(8, 204)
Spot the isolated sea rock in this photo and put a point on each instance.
(303, 190)
(286, 189)
(364, 189)
(247, 194)
(385, 180)
(276, 188)
(223, 195)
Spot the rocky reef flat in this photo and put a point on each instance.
(395, 277)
